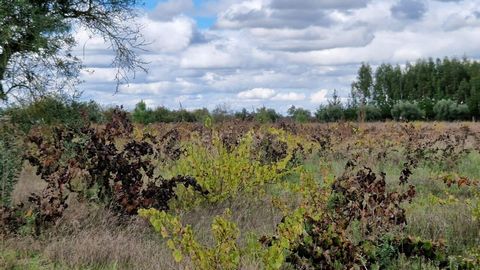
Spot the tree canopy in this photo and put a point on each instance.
(36, 38)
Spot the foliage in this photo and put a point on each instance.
(299, 115)
(405, 110)
(329, 113)
(424, 80)
(448, 110)
(36, 40)
(89, 162)
(372, 113)
(54, 110)
(264, 115)
(10, 161)
(226, 172)
(225, 253)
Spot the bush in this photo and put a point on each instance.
(299, 115)
(10, 161)
(53, 110)
(449, 110)
(141, 114)
(226, 172)
(329, 113)
(427, 105)
(405, 110)
(373, 113)
(264, 115)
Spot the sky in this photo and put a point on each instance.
(274, 53)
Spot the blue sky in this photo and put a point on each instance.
(203, 22)
(275, 53)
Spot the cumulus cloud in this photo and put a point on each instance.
(290, 96)
(165, 11)
(319, 97)
(318, 4)
(276, 52)
(257, 93)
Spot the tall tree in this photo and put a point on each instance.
(364, 83)
(36, 37)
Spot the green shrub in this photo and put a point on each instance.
(299, 115)
(449, 110)
(227, 172)
(373, 113)
(264, 115)
(52, 110)
(405, 110)
(10, 161)
(141, 114)
(330, 113)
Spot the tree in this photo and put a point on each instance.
(299, 115)
(36, 37)
(363, 85)
(332, 112)
(405, 110)
(142, 114)
(264, 115)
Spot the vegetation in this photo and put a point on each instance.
(36, 39)
(246, 196)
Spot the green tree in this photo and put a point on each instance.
(364, 83)
(405, 110)
(299, 115)
(474, 100)
(264, 115)
(36, 37)
(142, 114)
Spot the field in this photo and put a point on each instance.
(240, 195)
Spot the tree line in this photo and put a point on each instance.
(447, 90)
(443, 89)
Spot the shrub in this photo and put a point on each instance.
(299, 115)
(449, 110)
(330, 113)
(373, 113)
(264, 115)
(225, 171)
(405, 110)
(141, 114)
(10, 162)
(52, 110)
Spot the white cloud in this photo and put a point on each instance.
(168, 36)
(208, 56)
(290, 96)
(294, 47)
(319, 97)
(257, 93)
(171, 8)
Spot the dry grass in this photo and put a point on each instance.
(96, 239)
(28, 182)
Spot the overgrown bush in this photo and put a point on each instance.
(329, 113)
(227, 171)
(448, 110)
(52, 110)
(406, 110)
(10, 160)
(299, 115)
(264, 115)
(373, 113)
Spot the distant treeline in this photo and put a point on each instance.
(447, 89)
